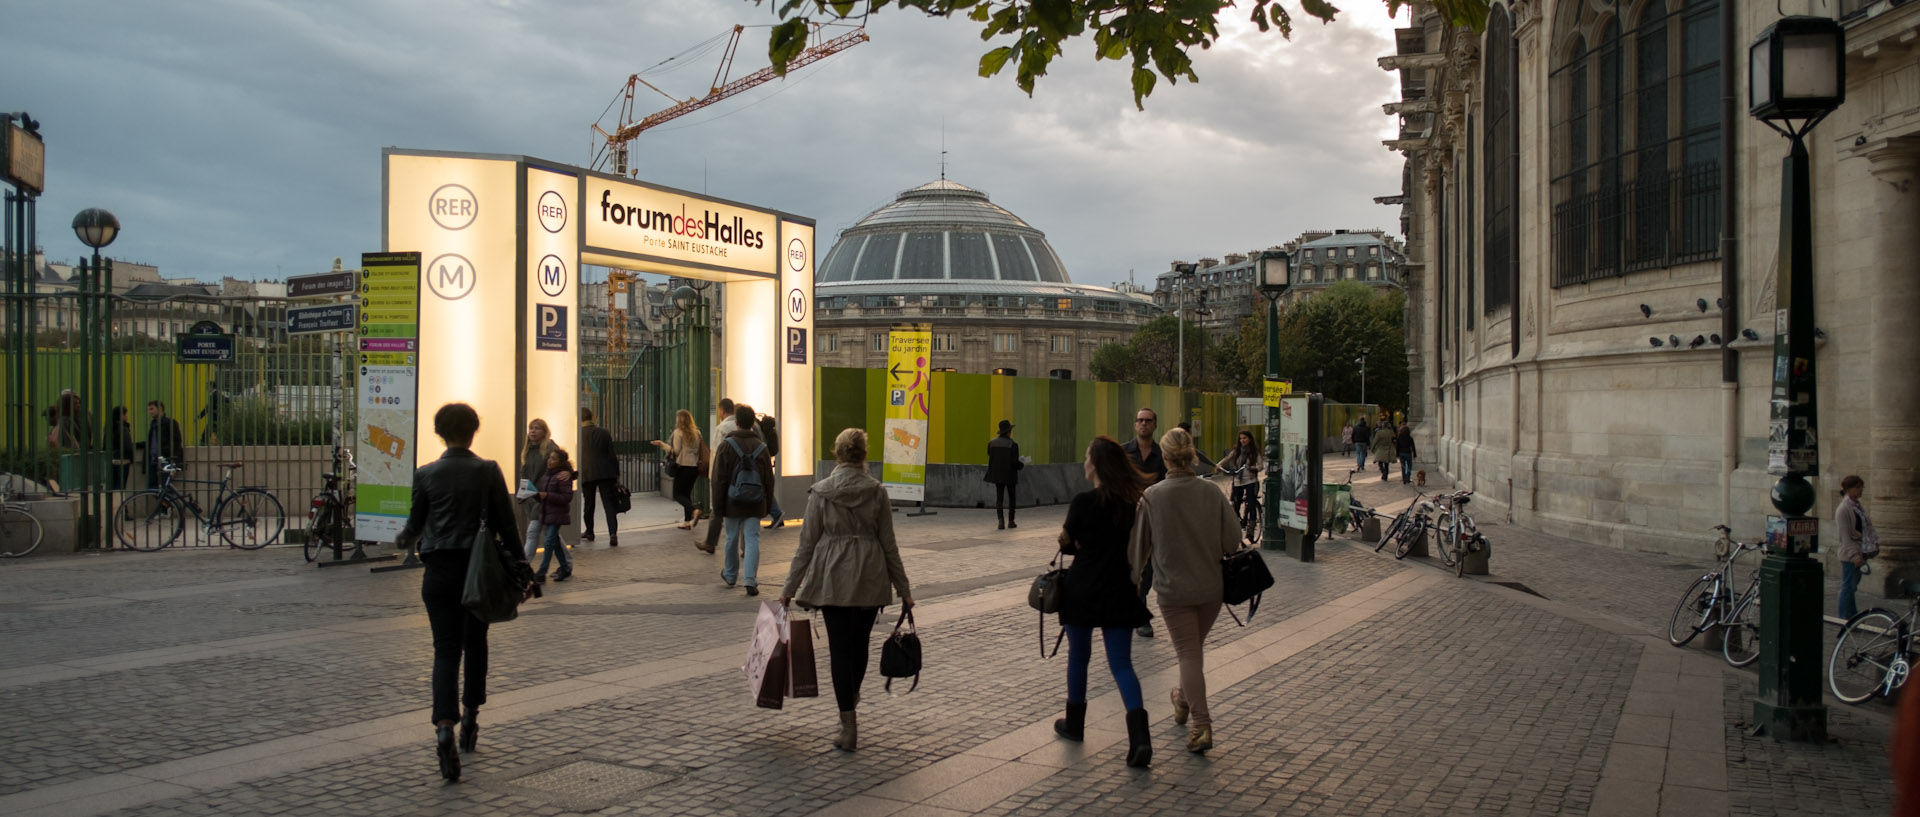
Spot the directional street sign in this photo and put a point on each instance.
(332, 318)
(323, 284)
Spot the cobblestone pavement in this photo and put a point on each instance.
(250, 683)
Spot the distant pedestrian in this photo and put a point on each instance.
(1858, 541)
(848, 566)
(1003, 470)
(555, 503)
(452, 497)
(599, 474)
(163, 441)
(73, 424)
(533, 465)
(1382, 444)
(1362, 436)
(743, 450)
(684, 448)
(721, 429)
(770, 434)
(1185, 527)
(1247, 462)
(1099, 592)
(120, 447)
(1403, 447)
(1147, 457)
(210, 432)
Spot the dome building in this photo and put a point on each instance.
(996, 294)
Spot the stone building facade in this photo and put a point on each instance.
(1593, 232)
(997, 296)
(1224, 291)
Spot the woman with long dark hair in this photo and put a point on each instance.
(1099, 591)
(684, 444)
(452, 497)
(1247, 457)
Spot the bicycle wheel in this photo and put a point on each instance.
(320, 536)
(1398, 524)
(148, 521)
(20, 533)
(1864, 654)
(1695, 612)
(1409, 536)
(1740, 633)
(250, 519)
(1449, 532)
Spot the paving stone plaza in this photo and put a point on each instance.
(225, 682)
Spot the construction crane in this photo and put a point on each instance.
(616, 141)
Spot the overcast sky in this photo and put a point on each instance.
(243, 137)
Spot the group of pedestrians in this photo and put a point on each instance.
(548, 480)
(740, 464)
(1385, 443)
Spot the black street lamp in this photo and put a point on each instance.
(1797, 76)
(96, 228)
(1274, 269)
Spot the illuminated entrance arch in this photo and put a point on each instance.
(501, 240)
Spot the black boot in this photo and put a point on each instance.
(1002, 516)
(1139, 743)
(470, 731)
(1010, 522)
(1074, 725)
(449, 756)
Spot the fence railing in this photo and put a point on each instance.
(1652, 221)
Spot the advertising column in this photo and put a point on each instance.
(552, 349)
(389, 320)
(903, 467)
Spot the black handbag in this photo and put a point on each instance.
(1046, 596)
(900, 655)
(490, 594)
(1244, 577)
(622, 499)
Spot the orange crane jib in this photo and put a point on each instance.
(805, 58)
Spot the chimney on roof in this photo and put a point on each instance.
(1339, 232)
(1235, 258)
(1204, 263)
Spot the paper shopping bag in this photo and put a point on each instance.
(802, 680)
(766, 666)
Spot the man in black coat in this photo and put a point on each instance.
(1003, 470)
(1146, 455)
(599, 473)
(163, 440)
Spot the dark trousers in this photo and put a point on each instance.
(683, 477)
(1005, 499)
(456, 633)
(604, 488)
(1244, 494)
(849, 642)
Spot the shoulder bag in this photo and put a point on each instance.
(900, 655)
(1244, 577)
(1045, 596)
(489, 595)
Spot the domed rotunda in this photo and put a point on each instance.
(997, 295)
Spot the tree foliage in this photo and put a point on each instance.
(1154, 353)
(1156, 36)
(1321, 339)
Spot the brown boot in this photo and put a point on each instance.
(849, 733)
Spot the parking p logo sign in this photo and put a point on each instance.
(551, 326)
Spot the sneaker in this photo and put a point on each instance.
(753, 590)
(563, 576)
(586, 536)
(1145, 630)
(776, 521)
(729, 582)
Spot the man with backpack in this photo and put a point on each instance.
(742, 487)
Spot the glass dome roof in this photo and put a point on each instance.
(942, 231)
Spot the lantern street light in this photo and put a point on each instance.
(1797, 76)
(1275, 268)
(96, 228)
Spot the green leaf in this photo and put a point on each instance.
(786, 42)
(992, 61)
(1319, 8)
(1143, 81)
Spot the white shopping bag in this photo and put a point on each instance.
(766, 665)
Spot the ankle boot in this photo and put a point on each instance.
(1010, 522)
(1139, 742)
(1002, 516)
(849, 733)
(1074, 725)
(470, 731)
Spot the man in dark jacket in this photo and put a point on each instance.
(1003, 470)
(599, 473)
(1145, 454)
(1362, 435)
(742, 449)
(163, 440)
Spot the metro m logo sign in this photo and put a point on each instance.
(451, 276)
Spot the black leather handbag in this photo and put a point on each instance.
(900, 655)
(1046, 595)
(1244, 577)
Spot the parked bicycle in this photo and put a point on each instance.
(1407, 526)
(1710, 602)
(1875, 653)
(20, 532)
(1460, 536)
(330, 516)
(246, 518)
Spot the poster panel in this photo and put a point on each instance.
(1294, 478)
(909, 380)
(389, 346)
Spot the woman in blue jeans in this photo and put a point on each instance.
(1099, 592)
(1858, 541)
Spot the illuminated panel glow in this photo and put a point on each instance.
(639, 221)
(753, 344)
(552, 316)
(796, 364)
(462, 216)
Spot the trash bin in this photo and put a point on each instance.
(75, 475)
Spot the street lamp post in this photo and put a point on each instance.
(1363, 374)
(1797, 76)
(95, 228)
(1274, 266)
(1180, 283)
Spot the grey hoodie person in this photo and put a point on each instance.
(847, 555)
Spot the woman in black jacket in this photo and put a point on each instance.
(452, 497)
(1099, 591)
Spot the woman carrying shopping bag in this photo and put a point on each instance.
(848, 567)
(1099, 591)
(685, 446)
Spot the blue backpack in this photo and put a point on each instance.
(745, 489)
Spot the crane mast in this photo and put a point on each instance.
(616, 141)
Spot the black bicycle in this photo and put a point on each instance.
(1251, 525)
(248, 518)
(330, 516)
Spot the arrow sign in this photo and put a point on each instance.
(895, 371)
(325, 283)
(334, 318)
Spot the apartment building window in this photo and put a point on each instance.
(1006, 342)
(1062, 344)
(944, 342)
(879, 341)
(829, 343)
(1352, 272)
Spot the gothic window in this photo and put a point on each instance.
(1501, 142)
(1636, 147)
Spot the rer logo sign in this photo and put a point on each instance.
(453, 207)
(551, 328)
(797, 255)
(552, 275)
(553, 211)
(451, 276)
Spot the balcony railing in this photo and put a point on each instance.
(1650, 222)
